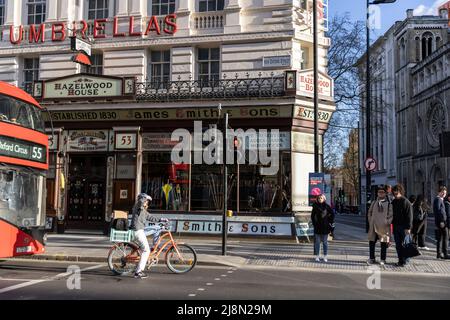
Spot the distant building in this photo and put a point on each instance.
(410, 105)
(444, 11)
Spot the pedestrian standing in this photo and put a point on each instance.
(322, 219)
(380, 218)
(402, 221)
(447, 210)
(442, 224)
(420, 218)
(412, 199)
(390, 196)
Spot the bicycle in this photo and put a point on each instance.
(180, 258)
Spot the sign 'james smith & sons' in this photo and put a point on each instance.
(82, 86)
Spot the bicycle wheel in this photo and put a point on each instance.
(182, 261)
(123, 258)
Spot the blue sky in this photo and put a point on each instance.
(389, 12)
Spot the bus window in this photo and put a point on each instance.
(20, 113)
(21, 197)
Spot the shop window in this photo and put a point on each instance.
(126, 166)
(165, 182)
(163, 7)
(2, 12)
(159, 68)
(211, 5)
(36, 11)
(98, 9)
(206, 188)
(208, 60)
(261, 193)
(30, 73)
(96, 67)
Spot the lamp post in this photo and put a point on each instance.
(368, 99)
(316, 94)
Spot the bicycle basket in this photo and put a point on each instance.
(121, 236)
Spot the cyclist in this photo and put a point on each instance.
(140, 216)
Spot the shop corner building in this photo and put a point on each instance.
(159, 66)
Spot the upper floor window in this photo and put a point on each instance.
(163, 7)
(2, 12)
(159, 67)
(208, 65)
(427, 44)
(98, 9)
(97, 65)
(30, 73)
(36, 11)
(211, 5)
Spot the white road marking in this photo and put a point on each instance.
(17, 280)
(200, 289)
(209, 284)
(217, 279)
(230, 271)
(33, 282)
(223, 275)
(192, 295)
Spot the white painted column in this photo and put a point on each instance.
(52, 10)
(232, 17)
(69, 11)
(122, 8)
(182, 63)
(14, 12)
(183, 17)
(136, 8)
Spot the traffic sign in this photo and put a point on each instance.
(370, 164)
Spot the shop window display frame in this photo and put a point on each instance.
(204, 186)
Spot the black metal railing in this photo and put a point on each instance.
(213, 89)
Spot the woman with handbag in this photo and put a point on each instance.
(380, 218)
(420, 216)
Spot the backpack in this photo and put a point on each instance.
(120, 224)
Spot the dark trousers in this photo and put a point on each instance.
(384, 246)
(419, 232)
(442, 241)
(399, 236)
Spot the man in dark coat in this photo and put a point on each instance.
(442, 224)
(402, 221)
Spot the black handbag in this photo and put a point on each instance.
(409, 248)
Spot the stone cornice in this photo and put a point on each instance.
(145, 43)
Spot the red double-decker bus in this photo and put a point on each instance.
(23, 167)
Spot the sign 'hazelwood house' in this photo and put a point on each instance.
(61, 30)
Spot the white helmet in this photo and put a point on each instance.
(144, 196)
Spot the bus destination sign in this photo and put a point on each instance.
(20, 149)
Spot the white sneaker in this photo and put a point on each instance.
(317, 259)
(382, 263)
(325, 259)
(424, 248)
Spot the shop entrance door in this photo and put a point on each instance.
(86, 194)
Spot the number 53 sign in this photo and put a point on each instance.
(126, 141)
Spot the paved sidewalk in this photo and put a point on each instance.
(348, 253)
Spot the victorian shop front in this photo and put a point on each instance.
(112, 140)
